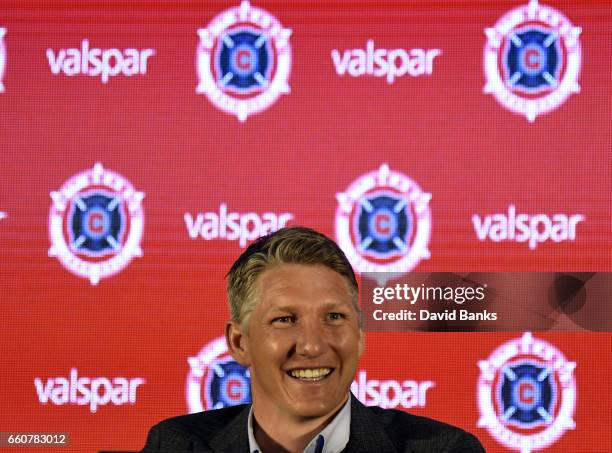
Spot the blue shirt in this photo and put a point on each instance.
(332, 439)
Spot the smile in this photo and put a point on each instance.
(310, 374)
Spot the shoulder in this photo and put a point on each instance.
(394, 419)
(202, 422)
(410, 432)
(190, 432)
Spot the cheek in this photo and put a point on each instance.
(272, 346)
(350, 345)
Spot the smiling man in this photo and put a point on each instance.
(296, 325)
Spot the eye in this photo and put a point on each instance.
(286, 320)
(334, 316)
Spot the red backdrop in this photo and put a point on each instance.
(440, 130)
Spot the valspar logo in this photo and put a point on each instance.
(96, 223)
(243, 60)
(2, 57)
(389, 393)
(97, 62)
(526, 394)
(532, 60)
(387, 63)
(215, 379)
(84, 391)
(383, 222)
(234, 226)
(532, 229)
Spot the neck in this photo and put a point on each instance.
(281, 434)
(279, 442)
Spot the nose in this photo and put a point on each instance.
(310, 341)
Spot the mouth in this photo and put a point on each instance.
(310, 374)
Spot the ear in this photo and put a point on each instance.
(237, 343)
(361, 342)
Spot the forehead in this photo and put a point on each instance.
(301, 285)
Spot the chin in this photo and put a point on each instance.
(311, 409)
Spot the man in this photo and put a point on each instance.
(296, 325)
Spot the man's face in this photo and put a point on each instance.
(303, 341)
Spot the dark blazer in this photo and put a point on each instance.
(373, 430)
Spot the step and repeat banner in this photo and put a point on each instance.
(146, 144)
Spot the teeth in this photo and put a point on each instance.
(311, 373)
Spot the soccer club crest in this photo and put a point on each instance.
(527, 394)
(2, 57)
(532, 60)
(243, 60)
(383, 222)
(96, 224)
(216, 380)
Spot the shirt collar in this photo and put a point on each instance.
(332, 439)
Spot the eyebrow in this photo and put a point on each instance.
(325, 307)
(335, 305)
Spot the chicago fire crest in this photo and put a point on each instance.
(532, 60)
(216, 380)
(243, 60)
(96, 223)
(526, 394)
(383, 222)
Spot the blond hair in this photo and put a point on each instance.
(295, 245)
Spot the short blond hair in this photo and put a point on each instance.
(295, 245)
